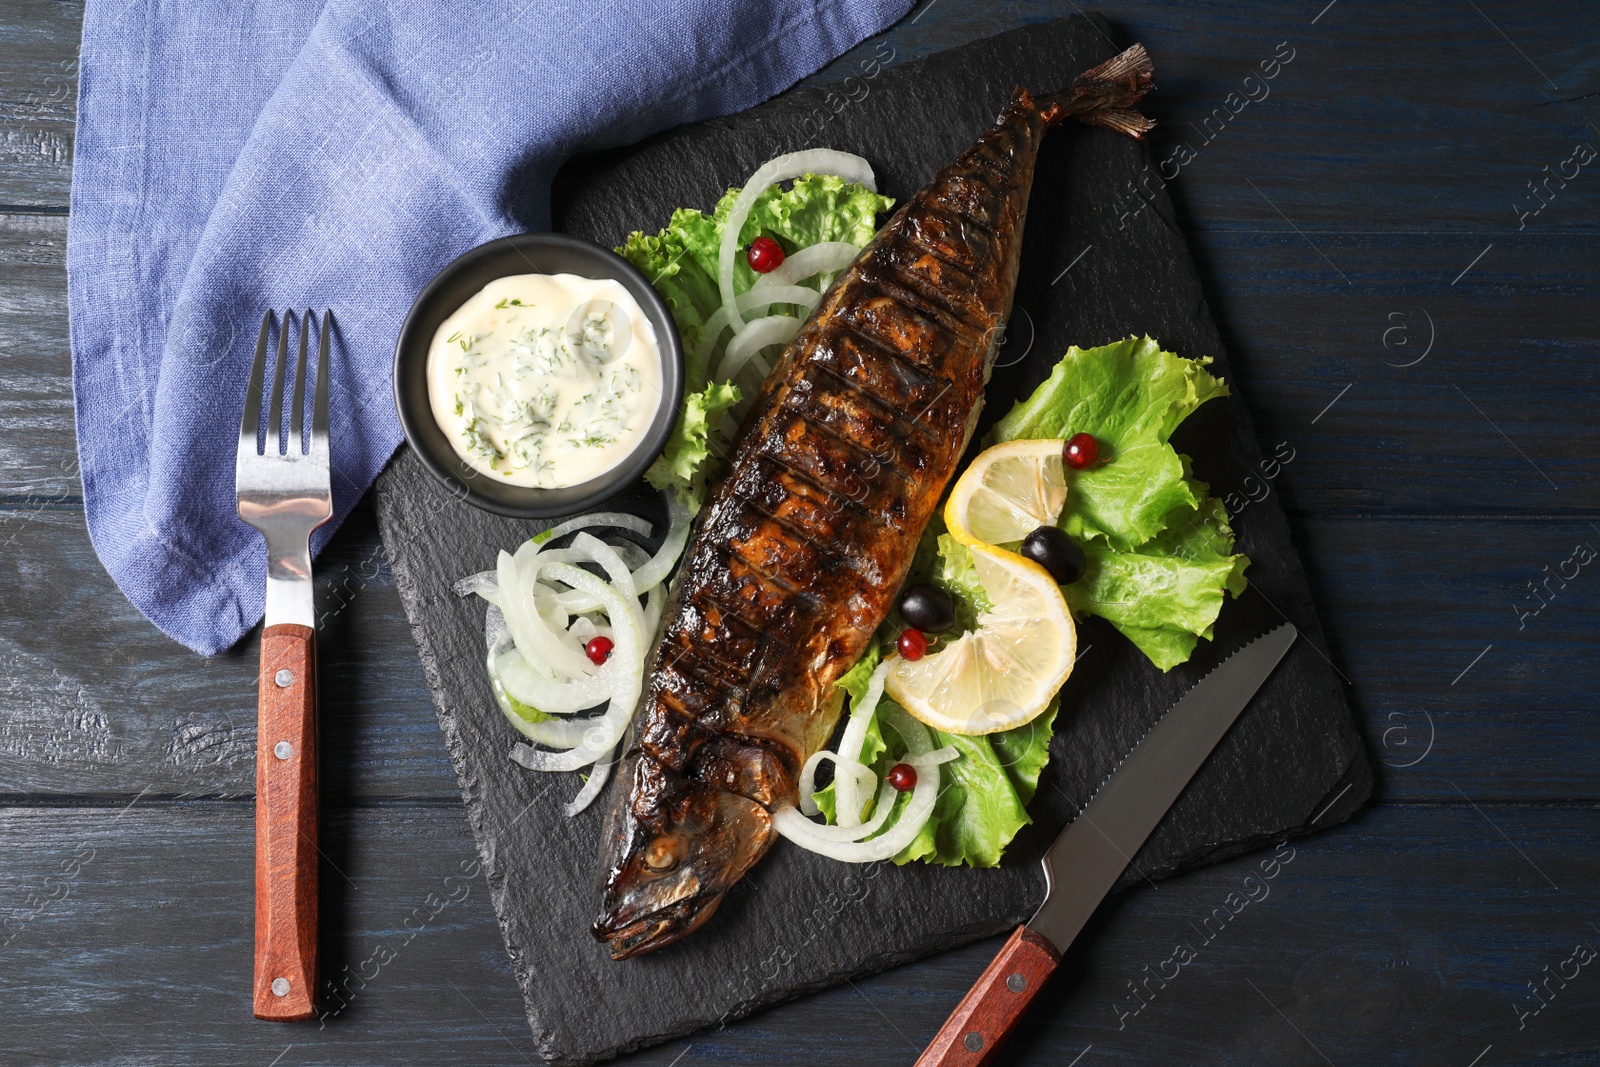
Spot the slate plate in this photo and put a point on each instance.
(1103, 258)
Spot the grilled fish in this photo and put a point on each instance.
(803, 544)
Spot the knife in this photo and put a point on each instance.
(1092, 852)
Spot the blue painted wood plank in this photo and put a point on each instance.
(1406, 937)
(1422, 117)
(1436, 373)
(96, 702)
(38, 100)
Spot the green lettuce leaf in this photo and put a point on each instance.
(682, 464)
(1158, 549)
(675, 261)
(1024, 751)
(514, 706)
(983, 795)
(681, 263)
(959, 578)
(1159, 561)
(1166, 595)
(816, 208)
(1130, 395)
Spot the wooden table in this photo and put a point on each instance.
(1427, 352)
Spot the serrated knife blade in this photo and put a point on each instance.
(1091, 853)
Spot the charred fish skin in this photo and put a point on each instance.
(800, 549)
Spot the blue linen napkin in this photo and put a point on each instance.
(289, 153)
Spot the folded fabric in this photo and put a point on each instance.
(232, 158)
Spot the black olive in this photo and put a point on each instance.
(928, 608)
(1055, 552)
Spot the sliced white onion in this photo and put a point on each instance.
(660, 565)
(485, 584)
(808, 781)
(610, 561)
(550, 696)
(552, 555)
(534, 635)
(604, 731)
(760, 300)
(495, 634)
(912, 732)
(851, 168)
(856, 845)
(757, 300)
(861, 776)
(814, 838)
(653, 603)
(791, 824)
(519, 609)
(847, 787)
(772, 330)
(823, 257)
(619, 520)
(583, 741)
(634, 556)
(862, 782)
(622, 582)
(599, 774)
(555, 733)
(551, 608)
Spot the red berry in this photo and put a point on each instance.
(913, 644)
(598, 649)
(1082, 451)
(903, 777)
(764, 255)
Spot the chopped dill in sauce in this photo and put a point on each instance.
(551, 398)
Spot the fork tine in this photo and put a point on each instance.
(250, 425)
(275, 405)
(297, 419)
(319, 416)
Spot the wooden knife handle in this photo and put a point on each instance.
(986, 1015)
(286, 825)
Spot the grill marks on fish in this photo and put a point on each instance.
(801, 548)
(798, 554)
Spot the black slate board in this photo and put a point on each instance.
(1103, 258)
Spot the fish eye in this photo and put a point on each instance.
(666, 852)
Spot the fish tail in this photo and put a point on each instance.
(1105, 95)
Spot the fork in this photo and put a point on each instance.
(283, 491)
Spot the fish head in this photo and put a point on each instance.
(675, 853)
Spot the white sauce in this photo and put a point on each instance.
(545, 380)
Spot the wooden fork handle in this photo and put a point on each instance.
(991, 1009)
(286, 825)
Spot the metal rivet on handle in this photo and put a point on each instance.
(280, 987)
(283, 750)
(284, 678)
(1016, 983)
(973, 1041)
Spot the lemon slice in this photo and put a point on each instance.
(1009, 491)
(1005, 672)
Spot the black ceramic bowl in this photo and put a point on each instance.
(526, 253)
